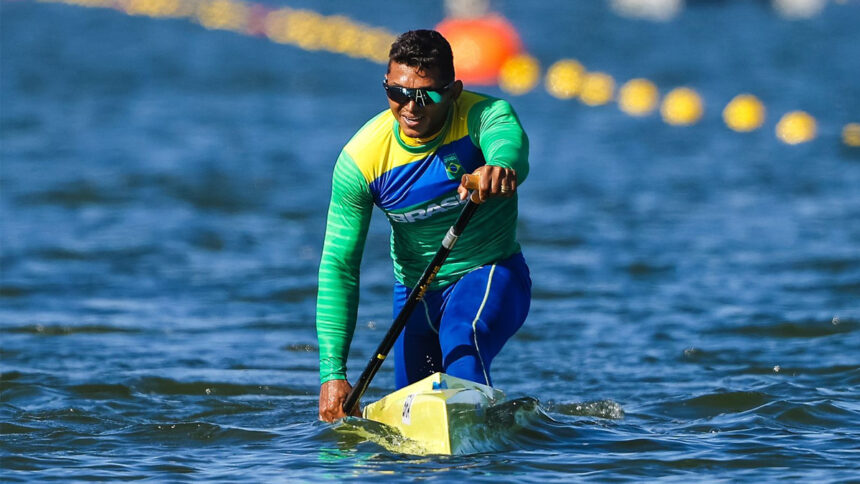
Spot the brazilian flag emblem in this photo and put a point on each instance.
(452, 166)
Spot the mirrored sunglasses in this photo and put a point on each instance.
(422, 97)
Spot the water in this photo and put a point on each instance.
(695, 314)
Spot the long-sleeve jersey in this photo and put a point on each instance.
(415, 185)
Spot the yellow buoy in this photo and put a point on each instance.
(223, 15)
(851, 135)
(638, 97)
(682, 107)
(597, 88)
(744, 113)
(153, 8)
(796, 127)
(519, 74)
(564, 78)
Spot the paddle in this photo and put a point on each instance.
(415, 297)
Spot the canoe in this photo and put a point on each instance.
(437, 412)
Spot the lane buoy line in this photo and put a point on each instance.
(565, 79)
(302, 28)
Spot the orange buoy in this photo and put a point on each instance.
(481, 46)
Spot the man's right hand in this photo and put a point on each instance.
(332, 395)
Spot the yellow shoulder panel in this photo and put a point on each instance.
(460, 122)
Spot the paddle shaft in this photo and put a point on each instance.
(415, 296)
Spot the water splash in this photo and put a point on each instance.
(351, 431)
(598, 408)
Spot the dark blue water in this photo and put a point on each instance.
(163, 191)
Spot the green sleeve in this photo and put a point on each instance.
(495, 128)
(337, 298)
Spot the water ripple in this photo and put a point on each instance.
(62, 330)
(168, 386)
(793, 329)
(179, 433)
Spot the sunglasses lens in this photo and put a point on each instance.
(397, 94)
(434, 97)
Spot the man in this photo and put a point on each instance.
(409, 161)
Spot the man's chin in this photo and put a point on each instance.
(413, 132)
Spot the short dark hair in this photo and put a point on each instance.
(424, 49)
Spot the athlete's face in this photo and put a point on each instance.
(418, 121)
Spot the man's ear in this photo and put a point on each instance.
(456, 89)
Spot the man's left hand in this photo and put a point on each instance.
(495, 181)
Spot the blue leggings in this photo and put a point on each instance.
(458, 330)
